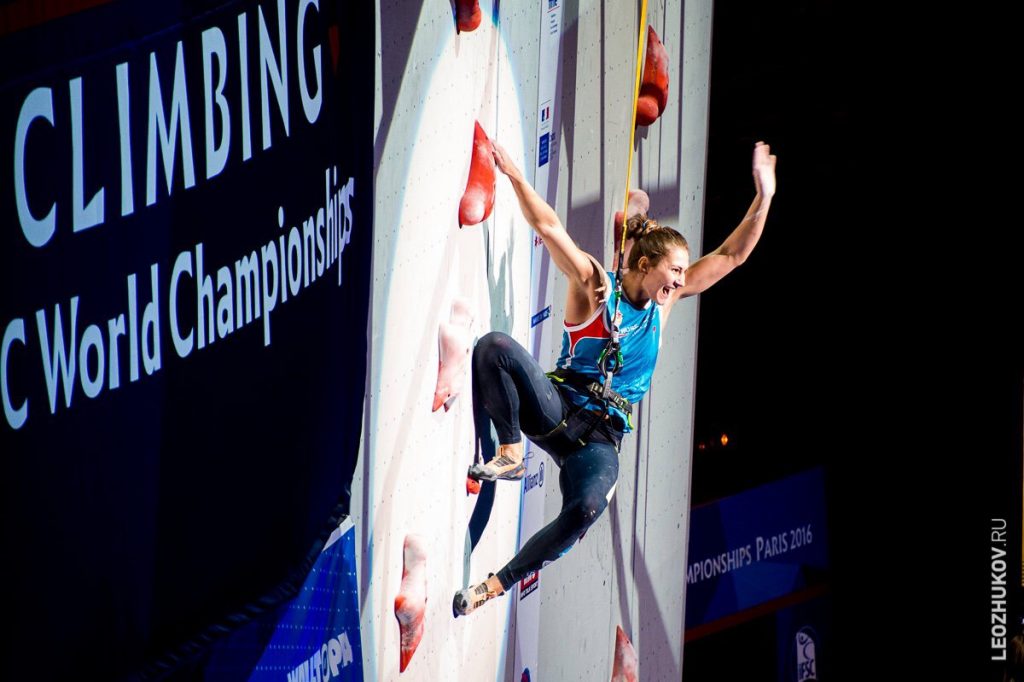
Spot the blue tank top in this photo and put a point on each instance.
(640, 339)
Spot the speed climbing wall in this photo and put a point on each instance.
(433, 276)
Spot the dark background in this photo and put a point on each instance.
(873, 330)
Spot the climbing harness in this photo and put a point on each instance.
(581, 420)
(584, 385)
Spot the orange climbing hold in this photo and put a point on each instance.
(478, 199)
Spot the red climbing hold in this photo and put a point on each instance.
(654, 85)
(467, 15)
(625, 666)
(411, 602)
(478, 199)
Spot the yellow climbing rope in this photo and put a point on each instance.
(610, 360)
(632, 127)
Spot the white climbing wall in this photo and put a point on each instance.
(432, 84)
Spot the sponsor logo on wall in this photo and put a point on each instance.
(535, 480)
(543, 147)
(529, 584)
(540, 317)
(326, 662)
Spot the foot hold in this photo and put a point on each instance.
(411, 602)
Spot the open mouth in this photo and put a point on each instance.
(667, 291)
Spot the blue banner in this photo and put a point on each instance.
(759, 545)
(316, 637)
(186, 210)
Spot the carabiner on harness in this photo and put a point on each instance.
(610, 360)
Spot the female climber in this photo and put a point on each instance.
(571, 412)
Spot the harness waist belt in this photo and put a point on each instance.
(591, 387)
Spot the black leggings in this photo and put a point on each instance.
(514, 391)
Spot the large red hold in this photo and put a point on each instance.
(654, 85)
(467, 15)
(478, 199)
(411, 602)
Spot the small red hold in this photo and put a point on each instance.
(472, 486)
(478, 199)
(653, 96)
(625, 667)
(467, 15)
(411, 602)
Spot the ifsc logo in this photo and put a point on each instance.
(806, 657)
